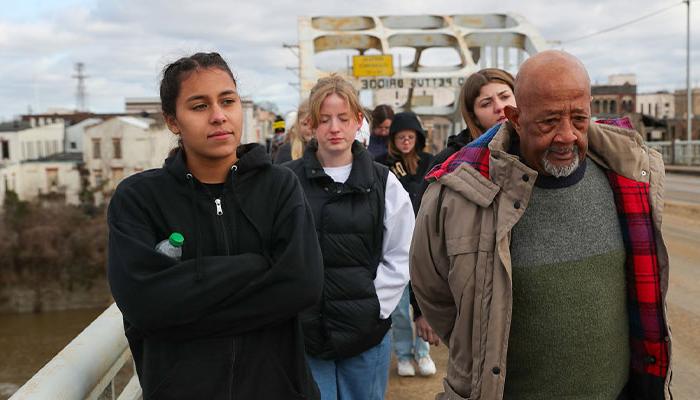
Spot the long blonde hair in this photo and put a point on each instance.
(295, 138)
(333, 84)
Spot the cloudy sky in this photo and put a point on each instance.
(125, 43)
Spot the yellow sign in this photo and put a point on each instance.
(380, 65)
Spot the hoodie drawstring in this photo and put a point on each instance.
(198, 275)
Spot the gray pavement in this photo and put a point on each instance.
(684, 188)
(682, 233)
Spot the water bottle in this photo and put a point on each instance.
(172, 246)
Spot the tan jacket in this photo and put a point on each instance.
(460, 254)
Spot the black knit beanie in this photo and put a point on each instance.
(408, 121)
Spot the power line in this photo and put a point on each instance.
(624, 23)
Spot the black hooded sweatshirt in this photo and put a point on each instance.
(221, 323)
(454, 143)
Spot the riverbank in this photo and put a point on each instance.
(54, 296)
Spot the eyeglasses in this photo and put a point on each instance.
(407, 139)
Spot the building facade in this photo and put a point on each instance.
(57, 174)
(678, 124)
(660, 105)
(616, 98)
(122, 146)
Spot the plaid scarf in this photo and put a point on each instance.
(476, 154)
(648, 341)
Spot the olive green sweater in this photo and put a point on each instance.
(569, 332)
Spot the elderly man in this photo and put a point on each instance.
(537, 254)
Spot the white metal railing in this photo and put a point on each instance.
(679, 151)
(86, 368)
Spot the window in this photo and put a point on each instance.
(97, 177)
(96, 153)
(5, 150)
(117, 147)
(73, 145)
(117, 175)
(51, 179)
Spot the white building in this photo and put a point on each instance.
(41, 141)
(58, 174)
(10, 148)
(32, 163)
(659, 105)
(251, 133)
(9, 179)
(74, 135)
(122, 146)
(138, 105)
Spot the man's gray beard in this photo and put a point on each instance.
(560, 171)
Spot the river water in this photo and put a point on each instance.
(28, 341)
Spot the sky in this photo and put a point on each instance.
(124, 44)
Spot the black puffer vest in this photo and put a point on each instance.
(349, 220)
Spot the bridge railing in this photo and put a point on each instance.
(87, 367)
(679, 151)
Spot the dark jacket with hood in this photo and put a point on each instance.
(349, 221)
(284, 153)
(377, 146)
(413, 183)
(222, 323)
(454, 143)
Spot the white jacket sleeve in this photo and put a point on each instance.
(392, 272)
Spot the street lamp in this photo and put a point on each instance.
(689, 114)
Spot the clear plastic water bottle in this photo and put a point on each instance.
(172, 246)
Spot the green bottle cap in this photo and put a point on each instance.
(176, 239)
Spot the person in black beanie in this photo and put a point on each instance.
(405, 156)
(407, 160)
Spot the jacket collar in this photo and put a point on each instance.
(480, 169)
(251, 156)
(361, 176)
(613, 147)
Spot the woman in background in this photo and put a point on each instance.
(382, 115)
(407, 160)
(482, 99)
(298, 136)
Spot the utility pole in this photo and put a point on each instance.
(80, 91)
(294, 48)
(689, 114)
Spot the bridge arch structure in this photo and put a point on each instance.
(432, 55)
